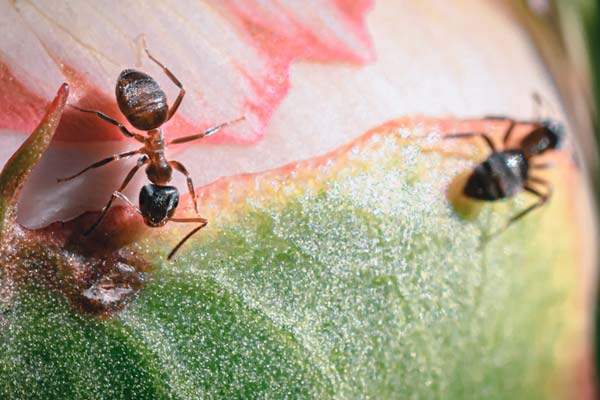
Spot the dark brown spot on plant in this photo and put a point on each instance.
(97, 275)
(95, 281)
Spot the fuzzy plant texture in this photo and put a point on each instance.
(346, 276)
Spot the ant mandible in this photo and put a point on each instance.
(144, 104)
(505, 173)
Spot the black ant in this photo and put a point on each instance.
(507, 172)
(144, 104)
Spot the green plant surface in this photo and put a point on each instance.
(346, 276)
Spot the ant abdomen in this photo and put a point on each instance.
(141, 100)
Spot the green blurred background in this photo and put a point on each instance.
(588, 18)
(567, 35)
(578, 25)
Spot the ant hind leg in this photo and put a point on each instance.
(173, 79)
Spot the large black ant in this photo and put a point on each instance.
(507, 172)
(144, 104)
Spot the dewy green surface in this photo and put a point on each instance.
(347, 279)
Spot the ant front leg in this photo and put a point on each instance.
(173, 79)
(179, 167)
(203, 222)
(206, 133)
(112, 121)
(129, 202)
(101, 163)
(484, 136)
(143, 160)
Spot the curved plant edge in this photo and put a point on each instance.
(344, 276)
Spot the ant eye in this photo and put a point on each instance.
(555, 133)
(558, 136)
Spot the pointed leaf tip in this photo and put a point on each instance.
(19, 166)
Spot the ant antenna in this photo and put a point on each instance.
(539, 105)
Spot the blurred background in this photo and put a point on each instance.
(567, 33)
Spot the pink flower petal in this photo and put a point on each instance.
(233, 57)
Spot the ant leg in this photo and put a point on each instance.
(545, 165)
(542, 199)
(114, 195)
(484, 136)
(143, 160)
(509, 131)
(101, 163)
(206, 133)
(112, 121)
(179, 167)
(540, 181)
(503, 118)
(203, 222)
(126, 200)
(173, 79)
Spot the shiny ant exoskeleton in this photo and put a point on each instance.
(507, 172)
(144, 104)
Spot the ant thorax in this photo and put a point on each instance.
(159, 170)
(155, 141)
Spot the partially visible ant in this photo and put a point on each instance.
(144, 104)
(507, 172)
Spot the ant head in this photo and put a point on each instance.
(141, 100)
(546, 135)
(554, 133)
(158, 203)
